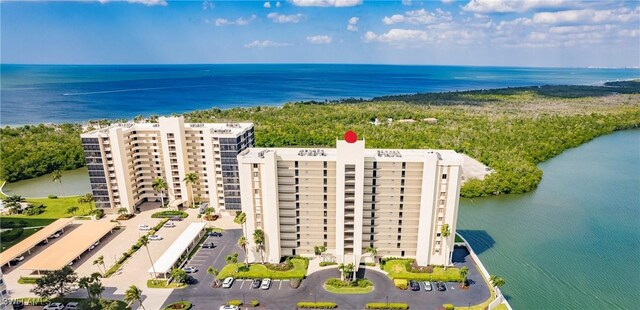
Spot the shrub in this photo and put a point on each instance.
(179, 305)
(402, 284)
(335, 282)
(363, 283)
(99, 213)
(255, 303)
(387, 306)
(28, 280)
(323, 264)
(33, 209)
(447, 306)
(124, 217)
(295, 283)
(13, 234)
(239, 217)
(52, 197)
(370, 264)
(234, 302)
(317, 305)
(169, 213)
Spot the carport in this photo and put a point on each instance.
(28, 243)
(182, 246)
(70, 247)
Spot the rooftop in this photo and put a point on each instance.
(216, 128)
(177, 248)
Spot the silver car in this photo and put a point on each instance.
(227, 283)
(427, 286)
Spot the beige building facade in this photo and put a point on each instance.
(351, 198)
(124, 159)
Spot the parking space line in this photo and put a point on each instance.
(279, 287)
(241, 284)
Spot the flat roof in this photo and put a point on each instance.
(177, 248)
(70, 247)
(31, 241)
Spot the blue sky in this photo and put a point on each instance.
(554, 33)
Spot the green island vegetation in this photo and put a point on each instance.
(316, 305)
(298, 270)
(387, 306)
(510, 129)
(169, 213)
(337, 286)
(158, 283)
(179, 305)
(405, 269)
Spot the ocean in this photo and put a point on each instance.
(32, 94)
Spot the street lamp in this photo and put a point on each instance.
(243, 302)
(387, 300)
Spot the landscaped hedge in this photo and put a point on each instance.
(448, 307)
(255, 303)
(179, 305)
(323, 264)
(28, 280)
(337, 283)
(402, 284)
(387, 306)
(234, 302)
(10, 235)
(169, 213)
(316, 305)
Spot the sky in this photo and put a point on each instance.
(529, 33)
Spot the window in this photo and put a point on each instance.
(442, 194)
(442, 202)
(325, 229)
(255, 165)
(255, 174)
(444, 176)
(325, 236)
(398, 245)
(256, 191)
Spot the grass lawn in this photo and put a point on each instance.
(397, 269)
(348, 290)
(259, 271)
(25, 234)
(56, 208)
(501, 307)
(458, 239)
(151, 283)
(27, 280)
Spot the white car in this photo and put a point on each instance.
(427, 286)
(169, 225)
(54, 306)
(93, 246)
(72, 306)
(18, 259)
(56, 235)
(144, 227)
(266, 283)
(155, 237)
(227, 283)
(229, 307)
(189, 269)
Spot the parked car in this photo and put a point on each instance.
(229, 307)
(155, 237)
(266, 283)
(189, 269)
(93, 246)
(56, 235)
(71, 306)
(43, 242)
(441, 287)
(17, 259)
(54, 306)
(169, 225)
(191, 280)
(144, 227)
(215, 234)
(414, 285)
(208, 245)
(256, 283)
(17, 304)
(227, 283)
(176, 218)
(427, 286)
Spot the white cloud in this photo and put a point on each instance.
(265, 43)
(406, 2)
(510, 6)
(419, 17)
(267, 5)
(319, 39)
(282, 19)
(240, 21)
(353, 24)
(398, 36)
(278, 4)
(327, 3)
(149, 2)
(447, 1)
(588, 16)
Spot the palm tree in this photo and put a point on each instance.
(497, 281)
(178, 275)
(445, 232)
(346, 270)
(72, 210)
(190, 179)
(242, 242)
(15, 198)
(14, 207)
(213, 272)
(81, 200)
(132, 295)
(84, 283)
(232, 259)
(373, 251)
(464, 271)
(258, 239)
(99, 261)
(89, 199)
(145, 242)
(160, 185)
(57, 177)
(123, 211)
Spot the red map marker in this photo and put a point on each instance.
(350, 136)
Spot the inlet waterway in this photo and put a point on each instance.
(573, 243)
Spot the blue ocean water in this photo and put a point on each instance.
(31, 94)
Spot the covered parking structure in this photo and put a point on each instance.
(70, 247)
(28, 243)
(178, 249)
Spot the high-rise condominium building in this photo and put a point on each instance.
(401, 202)
(124, 159)
(5, 302)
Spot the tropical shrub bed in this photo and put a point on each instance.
(169, 214)
(324, 264)
(259, 271)
(179, 305)
(402, 284)
(402, 269)
(386, 306)
(316, 305)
